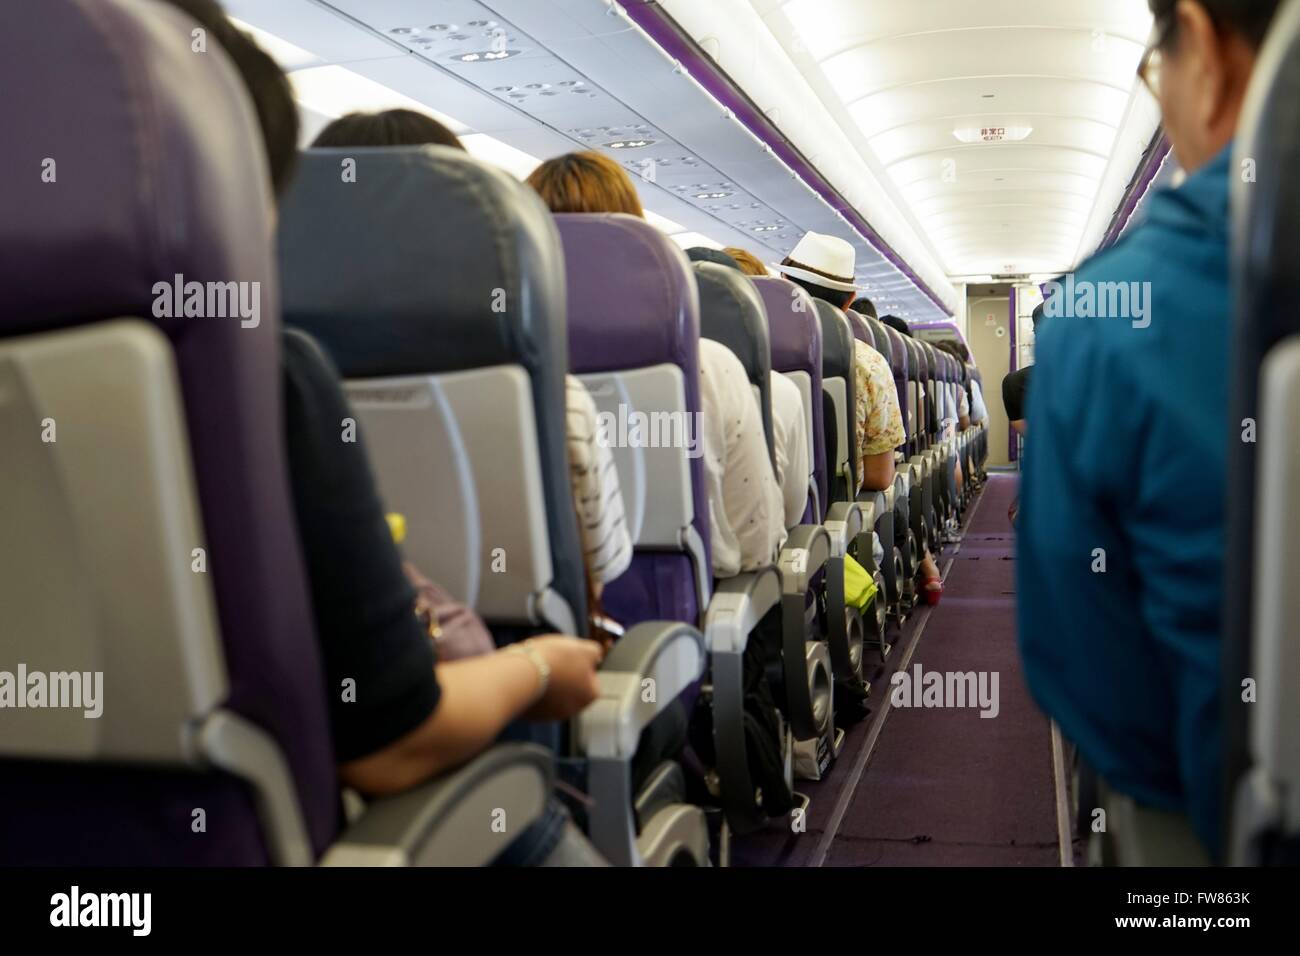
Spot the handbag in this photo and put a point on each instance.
(456, 630)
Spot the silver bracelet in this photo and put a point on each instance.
(526, 649)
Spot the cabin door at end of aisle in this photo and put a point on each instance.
(992, 352)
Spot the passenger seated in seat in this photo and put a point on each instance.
(745, 503)
(897, 324)
(1127, 468)
(593, 477)
(397, 127)
(864, 306)
(978, 413)
(747, 262)
(412, 718)
(824, 267)
(789, 424)
(931, 579)
(963, 402)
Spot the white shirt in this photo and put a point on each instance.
(978, 413)
(597, 495)
(745, 508)
(790, 442)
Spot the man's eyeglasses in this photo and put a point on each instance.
(1153, 60)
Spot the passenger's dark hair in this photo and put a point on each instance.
(266, 83)
(897, 324)
(386, 128)
(705, 254)
(1248, 18)
(864, 306)
(1037, 316)
(833, 296)
(954, 348)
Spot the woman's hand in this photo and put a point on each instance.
(573, 662)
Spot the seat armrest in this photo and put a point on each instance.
(896, 487)
(922, 471)
(648, 668)
(866, 510)
(464, 818)
(806, 552)
(738, 604)
(885, 500)
(845, 521)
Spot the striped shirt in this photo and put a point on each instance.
(597, 497)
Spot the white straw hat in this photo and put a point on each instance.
(826, 261)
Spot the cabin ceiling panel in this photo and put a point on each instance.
(546, 76)
(990, 111)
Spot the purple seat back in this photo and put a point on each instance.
(899, 363)
(423, 301)
(929, 380)
(862, 331)
(889, 343)
(159, 173)
(797, 347)
(634, 304)
(914, 376)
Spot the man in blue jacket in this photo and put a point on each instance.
(1122, 506)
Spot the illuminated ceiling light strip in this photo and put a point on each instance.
(663, 223)
(645, 23)
(290, 56)
(689, 240)
(336, 90)
(494, 151)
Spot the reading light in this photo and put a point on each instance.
(630, 143)
(481, 55)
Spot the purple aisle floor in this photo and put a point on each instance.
(940, 786)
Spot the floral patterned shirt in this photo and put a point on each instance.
(879, 419)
